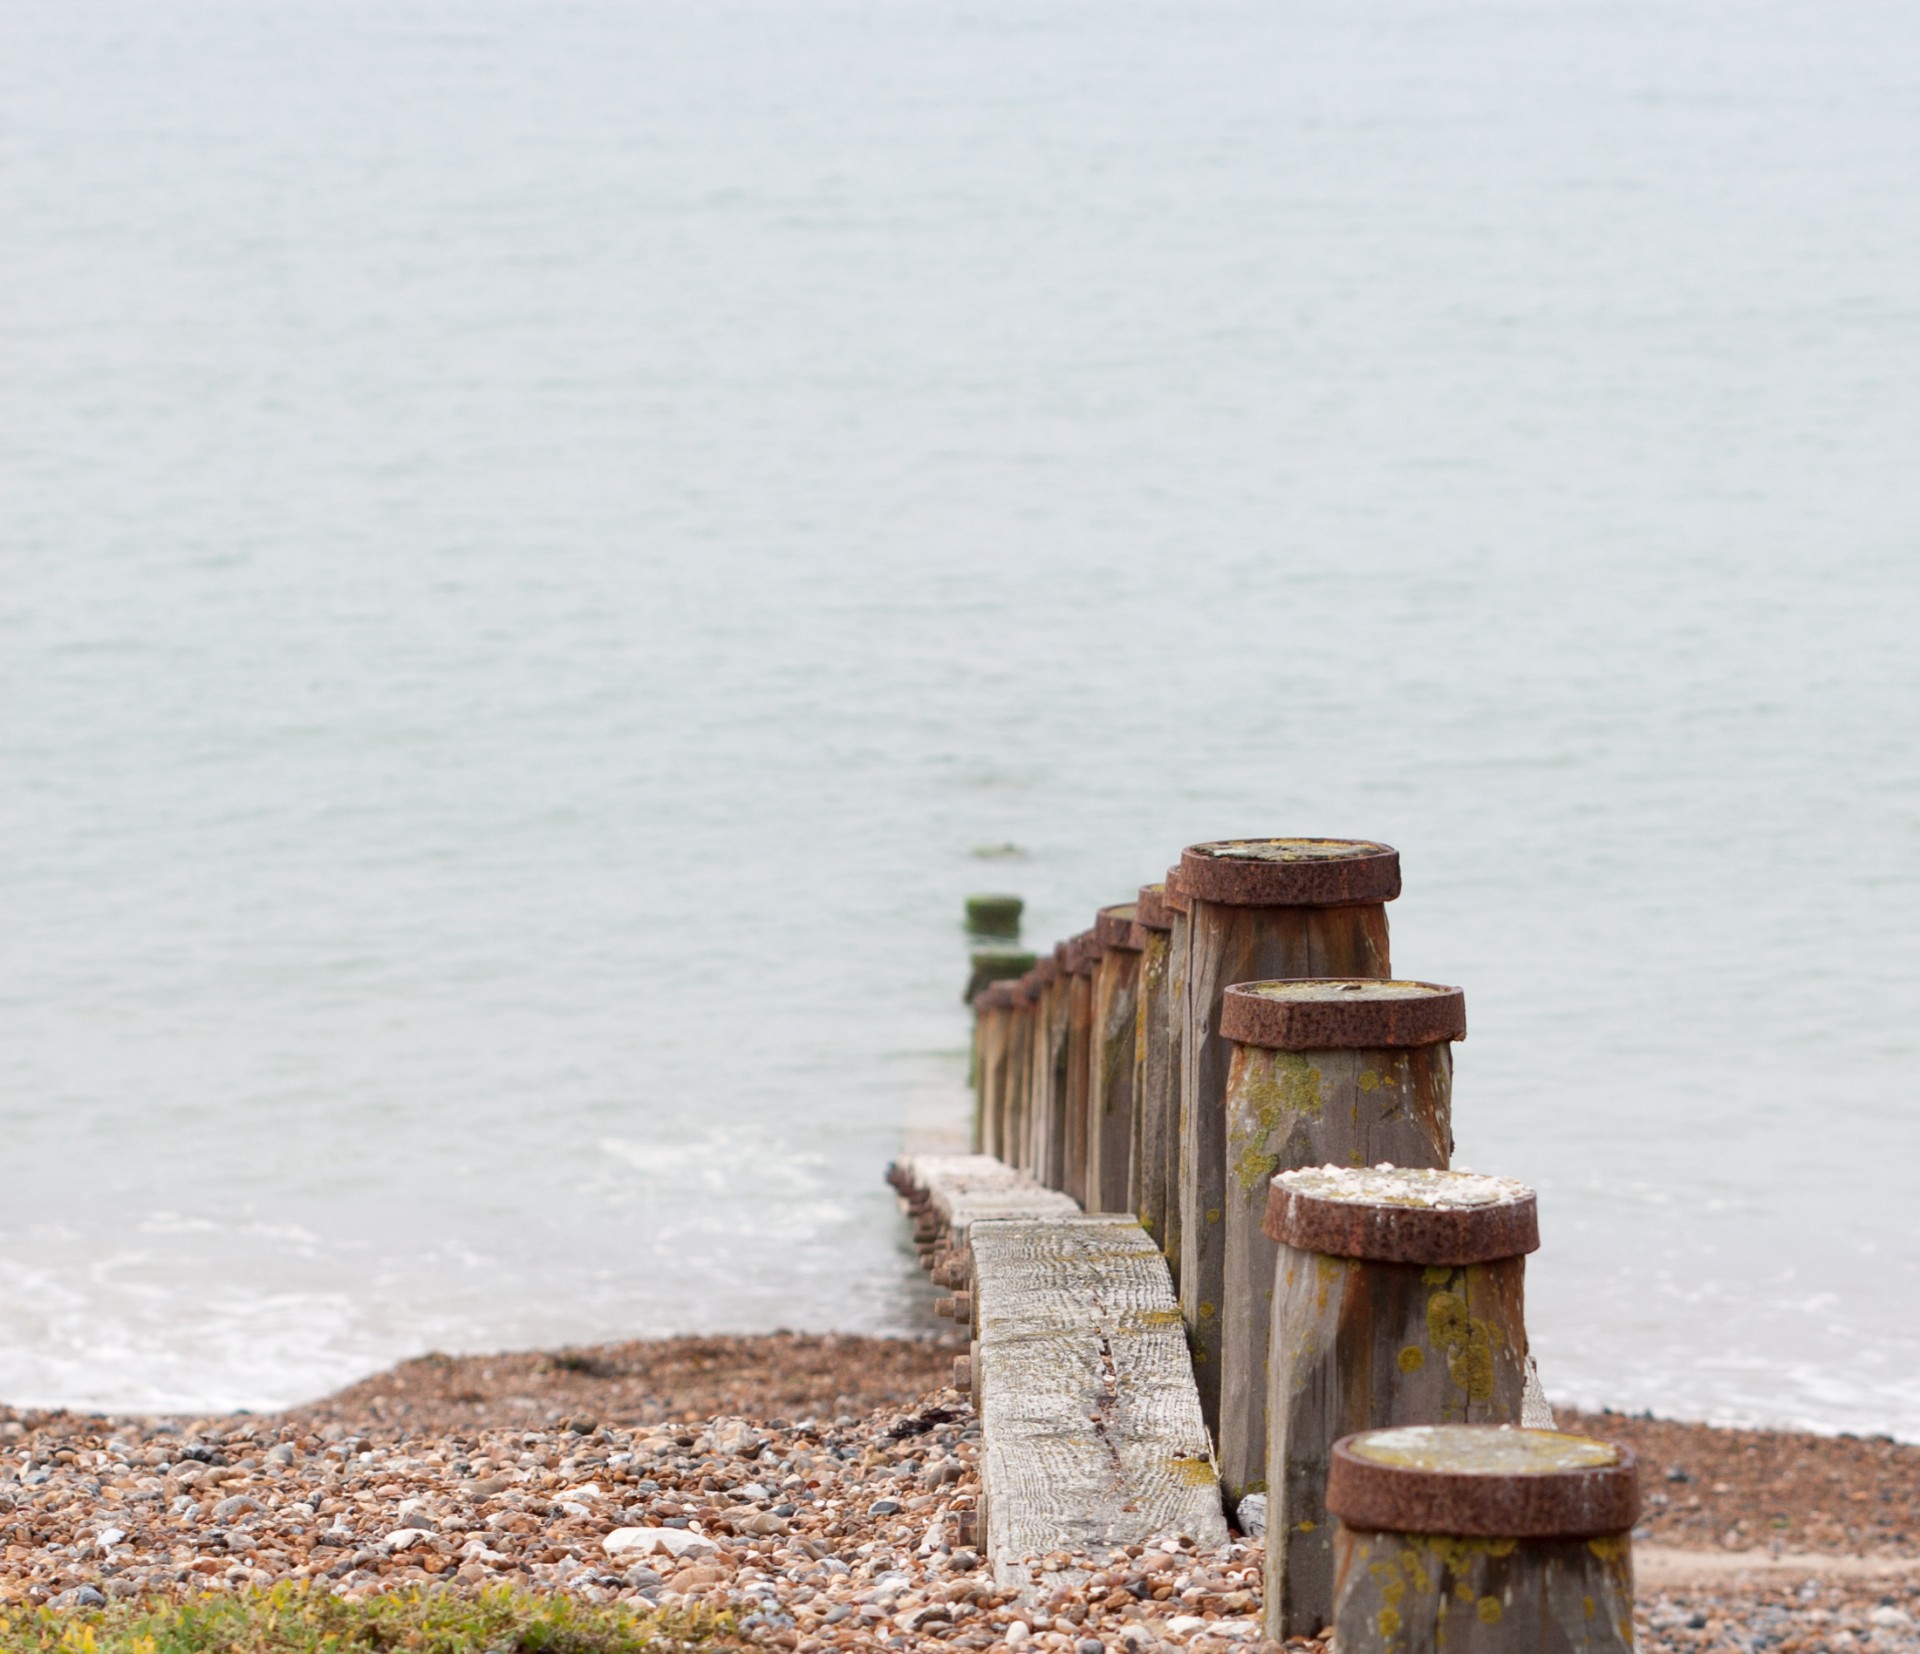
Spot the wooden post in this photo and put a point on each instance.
(1116, 997)
(1482, 1539)
(1398, 1299)
(1155, 1088)
(1179, 958)
(1015, 1143)
(993, 1044)
(1083, 953)
(990, 965)
(1260, 910)
(1039, 1034)
(1049, 1072)
(1345, 1073)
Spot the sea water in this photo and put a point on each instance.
(547, 547)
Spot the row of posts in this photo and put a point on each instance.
(1229, 1058)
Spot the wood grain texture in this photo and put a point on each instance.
(1090, 1426)
(1359, 1345)
(1110, 1092)
(1156, 1096)
(1402, 1593)
(1287, 1109)
(1228, 945)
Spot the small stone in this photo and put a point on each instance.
(674, 1542)
(107, 1538)
(736, 1437)
(404, 1538)
(884, 1507)
(81, 1596)
(1253, 1515)
(1017, 1634)
(1090, 1645)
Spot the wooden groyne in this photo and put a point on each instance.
(1214, 1236)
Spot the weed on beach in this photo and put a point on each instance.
(291, 1619)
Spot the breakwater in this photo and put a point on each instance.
(1222, 1091)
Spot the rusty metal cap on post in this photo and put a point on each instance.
(1083, 952)
(1045, 970)
(1291, 872)
(1342, 1014)
(1151, 910)
(1391, 1214)
(999, 997)
(1174, 894)
(1114, 926)
(1491, 1481)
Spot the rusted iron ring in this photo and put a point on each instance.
(1151, 911)
(1114, 927)
(1342, 1014)
(1291, 872)
(1402, 1230)
(1460, 1489)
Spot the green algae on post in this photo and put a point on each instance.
(994, 915)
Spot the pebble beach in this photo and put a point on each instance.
(816, 1492)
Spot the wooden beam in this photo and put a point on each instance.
(1089, 1417)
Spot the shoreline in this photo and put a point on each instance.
(834, 1470)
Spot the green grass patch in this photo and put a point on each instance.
(294, 1619)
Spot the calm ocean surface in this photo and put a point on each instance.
(540, 538)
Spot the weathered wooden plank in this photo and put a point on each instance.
(1090, 1424)
(949, 1193)
(1155, 1088)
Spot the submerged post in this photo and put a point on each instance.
(1110, 1095)
(1482, 1540)
(1398, 1299)
(1260, 910)
(1346, 1073)
(996, 915)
